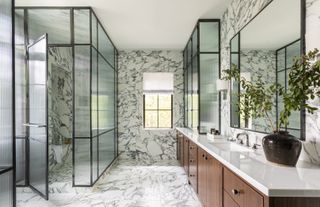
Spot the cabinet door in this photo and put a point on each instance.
(181, 150)
(178, 146)
(252, 198)
(193, 165)
(228, 202)
(202, 176)
(186, 155)
(214, 188)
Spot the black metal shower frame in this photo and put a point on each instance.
(73, 45)
(302, 51)
(197, 57)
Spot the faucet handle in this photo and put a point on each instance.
(241, 141)
(255, 146)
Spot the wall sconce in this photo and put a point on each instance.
(223, 86)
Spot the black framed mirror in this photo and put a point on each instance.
(266, 47)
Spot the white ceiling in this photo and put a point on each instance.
(276, 26)
(145, 24)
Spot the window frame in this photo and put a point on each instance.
(157, 110)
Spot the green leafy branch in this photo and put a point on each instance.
(256, 98)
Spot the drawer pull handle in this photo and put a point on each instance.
(192, 175)
(202, 155)
(206, 158)
(191, 148)
(235, 192)
(191, 160)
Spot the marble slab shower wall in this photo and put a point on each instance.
(59, 104)
(134, 140)
(239, 13)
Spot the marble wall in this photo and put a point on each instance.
(59, 103)
(260, 63)
(239, 13)
(134, 140)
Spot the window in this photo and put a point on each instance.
(157, 100)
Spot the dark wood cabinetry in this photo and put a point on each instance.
(240, 192)
(186, 154)
(209, 180)
(218, 186)
(193, 165)
(180, 148)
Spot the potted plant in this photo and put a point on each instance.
(256, 100)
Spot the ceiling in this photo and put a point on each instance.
(146, 24)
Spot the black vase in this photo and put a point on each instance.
(282, 148)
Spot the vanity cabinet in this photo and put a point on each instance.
(218, 186)
(186, 154)
(241, 193)
(209, 180)
(180, 148)
(193, 165)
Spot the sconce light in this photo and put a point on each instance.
(223, 86)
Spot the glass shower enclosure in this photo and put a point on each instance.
(81, 119)
(7, 190)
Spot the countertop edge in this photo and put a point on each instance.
(263, 189)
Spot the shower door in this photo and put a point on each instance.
(38, 115)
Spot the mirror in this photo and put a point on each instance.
(266, 47)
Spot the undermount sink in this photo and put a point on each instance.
(231, 146)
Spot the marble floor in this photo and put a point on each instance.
(128, 183)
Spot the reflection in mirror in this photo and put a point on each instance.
(266, 47)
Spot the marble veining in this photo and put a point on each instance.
(260, 63)
(134, 140)
(239, 13)
(59, 103)
(139, 183)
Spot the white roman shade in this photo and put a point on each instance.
(158, 82)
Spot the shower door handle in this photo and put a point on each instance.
(34, 125)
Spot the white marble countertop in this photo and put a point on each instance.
(271, 179)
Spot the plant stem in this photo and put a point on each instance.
(269, 119)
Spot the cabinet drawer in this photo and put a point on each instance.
(228, 202)
(193, 150)
(239, 191)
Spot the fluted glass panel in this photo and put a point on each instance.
(94, 92)
(209, 36)
(189, 52)
(105, 46)
(195, 42)
(5, 83)
(55, 22)
(19, 27)
(106, 150)
(94, 158)
(20, 91)
(195, 93)
(6, 196)
(293, 51)
(82, 162)
(82, 26)
(94, 29)
(106, 96)
(281, 60)
(82, 91)
(209, 96)
(20, 161)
